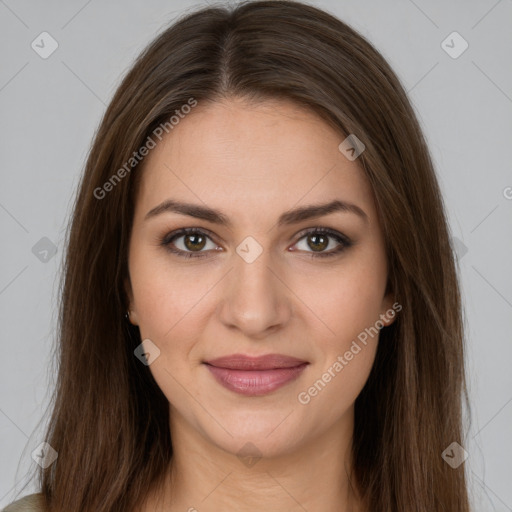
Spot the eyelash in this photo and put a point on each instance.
(343, 240)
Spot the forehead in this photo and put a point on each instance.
(271, 155)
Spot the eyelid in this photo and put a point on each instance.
(323, 230)
(187, 231)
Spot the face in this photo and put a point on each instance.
(251, 278)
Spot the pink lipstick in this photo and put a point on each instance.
(255, 376)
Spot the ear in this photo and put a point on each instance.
(132, 312)
(390, 307)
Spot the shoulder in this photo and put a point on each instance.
(30, 503)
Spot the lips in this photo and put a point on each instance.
(267, 362)
(254, 376)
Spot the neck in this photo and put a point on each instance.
(204, 477)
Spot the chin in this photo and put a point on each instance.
(267, 436)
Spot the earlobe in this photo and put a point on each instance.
(390, 310)
(131, 314)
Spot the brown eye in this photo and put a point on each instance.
(318, 242)
(195, 242)
(319, 239)
(188, 242)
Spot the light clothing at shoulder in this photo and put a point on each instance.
(30, 503)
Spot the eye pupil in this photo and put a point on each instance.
(316, 237)
(193, 245)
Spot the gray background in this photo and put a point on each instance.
(51, 107)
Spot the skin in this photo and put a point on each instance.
(253, 162)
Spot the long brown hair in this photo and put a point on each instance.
(110, 421)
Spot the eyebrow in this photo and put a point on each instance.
(289, 217)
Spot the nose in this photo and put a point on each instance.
(255, 299)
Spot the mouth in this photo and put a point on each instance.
(255, 376)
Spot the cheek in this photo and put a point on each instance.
(345, 301)
(346, 352)
(170, 313)
(331, 393)
(347, 306)
(165, 296)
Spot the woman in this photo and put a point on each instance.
(260, 306)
